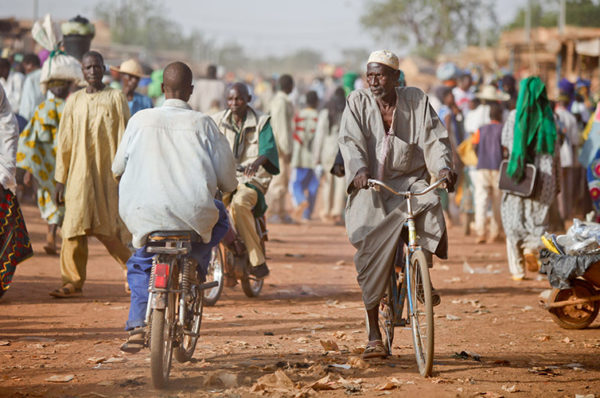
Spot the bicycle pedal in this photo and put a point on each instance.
(208, 285)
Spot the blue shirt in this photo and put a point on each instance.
(489, 146)
(138, 103)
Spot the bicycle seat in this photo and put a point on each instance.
(158, 236)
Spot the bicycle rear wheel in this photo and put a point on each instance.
(420, 310)
(161, 342)
(215, 272)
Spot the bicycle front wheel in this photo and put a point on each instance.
(420, 310)
(214, 273)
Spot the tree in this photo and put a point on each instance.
(545, 14)
(583, 13)
(143, 23)
(540, 16)
(355, 58)
(429, 26)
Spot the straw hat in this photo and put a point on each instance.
(490, 93)
(130, 67)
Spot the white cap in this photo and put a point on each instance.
(385, 57)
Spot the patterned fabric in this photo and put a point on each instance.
(526, 219)
(37, 155)
(15, 246)
(593, 179)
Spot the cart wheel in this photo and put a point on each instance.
(578, 316)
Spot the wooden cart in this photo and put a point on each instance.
(577, 307)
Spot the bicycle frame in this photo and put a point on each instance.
(398, 298)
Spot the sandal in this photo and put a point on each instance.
(135, 342)
(51, 251)
(68, 290)
(375, 349)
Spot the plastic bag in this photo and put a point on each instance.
(58, 66)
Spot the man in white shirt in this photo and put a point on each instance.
(12, 82)
(31, 95)
(171, 162)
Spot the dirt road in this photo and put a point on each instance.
(65, 348)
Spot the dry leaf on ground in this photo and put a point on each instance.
(326, 383)
(218, 378)
(357, 363)
(391, 384)
(510, 389)
(60, 378)
(278, 381)
(329, 345)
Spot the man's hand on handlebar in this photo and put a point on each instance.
(361, 180)
(251, 169)
(450, 177)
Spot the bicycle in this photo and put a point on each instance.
(225, 260)
(175, 301)
(412, 286)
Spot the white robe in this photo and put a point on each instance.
(419, 147)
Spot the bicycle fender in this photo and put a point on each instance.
(159, 301)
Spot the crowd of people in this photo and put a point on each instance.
(111, 162)
(497, 128)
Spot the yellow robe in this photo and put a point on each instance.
(90, 131)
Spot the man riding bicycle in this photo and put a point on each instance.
(251, 139)
(171, 161)
(391, 133)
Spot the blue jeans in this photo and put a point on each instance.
(139, 267)
(305, 185)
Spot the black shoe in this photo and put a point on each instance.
(260, 271)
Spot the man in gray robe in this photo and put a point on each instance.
(391, 133)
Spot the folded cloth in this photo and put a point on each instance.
(15, 246)
(561, 270)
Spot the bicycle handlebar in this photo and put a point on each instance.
(374, 183)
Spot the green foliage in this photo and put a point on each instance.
(430, 26)
(143, 23)
(583, 13)
(545, 13)
(540, 16)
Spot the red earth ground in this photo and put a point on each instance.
(311, 296)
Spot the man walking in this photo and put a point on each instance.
(305, 182)
(282, 115)
(130, 73)
(91, 128)
(391, 133)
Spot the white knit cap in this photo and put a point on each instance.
(385, 57)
